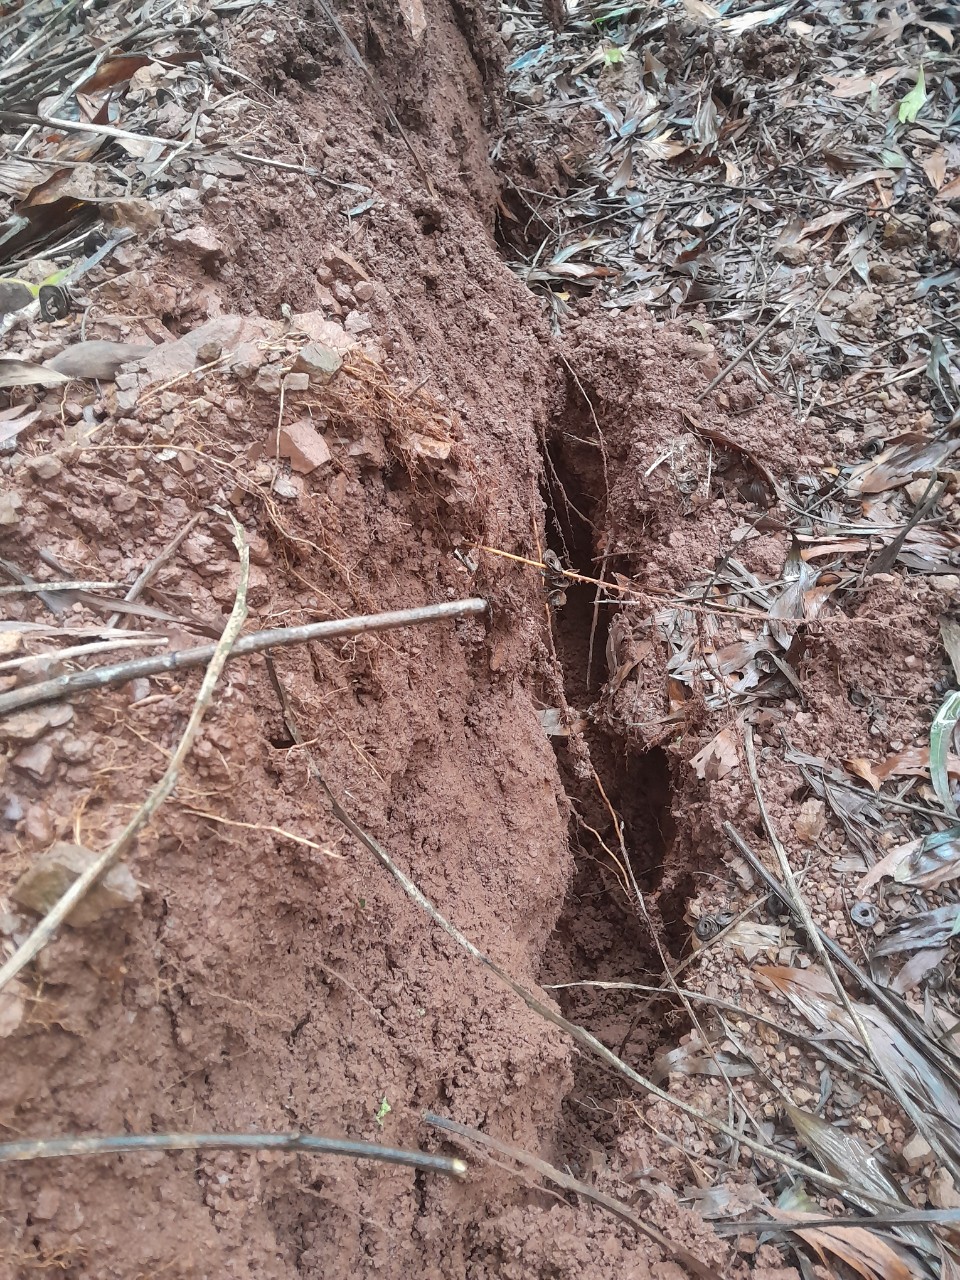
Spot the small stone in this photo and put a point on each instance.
(302, 444)
(125, 502)
(45, 466)
(26, 727)
(357, 322)
(139, 689)
(11, 643)
(917, 1153)
(11, 505)
(916, 489)
(811, 821)
(941, 1191)
(319, 363)
(199, 243)
(36, 761)
(289, 487)
(268, 380)
(207, 352)
(296, 382)
(793, 253)
(42, 884)
(363, 291)
(864, 308)
(169, 400)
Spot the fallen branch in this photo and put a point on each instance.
(52, 921)
(258, 641)
(53, 1148)
(564, 1180)
(577, 1033)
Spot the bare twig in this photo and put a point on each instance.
(725, 373)
(564, 1180)
(165, 556)
(27, 588)
(55, 1148)
(577, 1033)
(61, 909)
(258, 641)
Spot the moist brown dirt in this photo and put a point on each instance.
(271, 985)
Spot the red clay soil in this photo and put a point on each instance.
(270, 984)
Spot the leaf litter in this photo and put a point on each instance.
(781, 178)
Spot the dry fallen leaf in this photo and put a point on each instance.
(715, 760)
(935, 167)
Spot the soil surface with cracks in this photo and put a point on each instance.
(270, 977)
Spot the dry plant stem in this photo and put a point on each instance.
(165, 556)
(725, 373)
(137, 641)
(258, 641)
(564, 1180)
(580, 1034)
(920, 1121)
(28, 588)
(894, 1010)
(916, 1218)
(54, 1148)
(51, 922)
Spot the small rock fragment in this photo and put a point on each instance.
(36, 761)
(302, 444)
(199, 243)
(296, 382)
(11, 505)
(811, 820)
(941, 1191)
(25, 727)
(42, 884)
(318, 362)
(11, 643)
(917, 1153)
(207, 352)
(45, 466)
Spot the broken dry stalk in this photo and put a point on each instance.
(165, 556)
(257, 642)
(564, 1180)
(725, 373)
(55, 1148)
(51, 922)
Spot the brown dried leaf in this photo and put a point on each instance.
(863, 1250)
(935, 167)
(897, 465)
(718, 758)
(857, 86)
(862, 768)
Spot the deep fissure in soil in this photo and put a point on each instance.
(621, 828)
